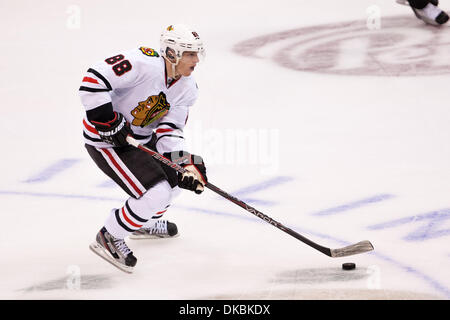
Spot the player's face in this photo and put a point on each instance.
(187, 63)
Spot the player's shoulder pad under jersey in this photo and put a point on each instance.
(128, 68)
(190, 92)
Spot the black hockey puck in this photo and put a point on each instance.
(348, 266)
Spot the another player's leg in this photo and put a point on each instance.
(428, 11)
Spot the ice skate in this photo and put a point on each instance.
(161, 229)
(431, 14)
(114, 250)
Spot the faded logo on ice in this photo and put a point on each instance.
(73, 20)
(391, 46)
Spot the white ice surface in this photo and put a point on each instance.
(323, 142)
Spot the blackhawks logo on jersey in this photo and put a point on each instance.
(149, 52)
(154, 108)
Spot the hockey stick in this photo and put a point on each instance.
(353, 249)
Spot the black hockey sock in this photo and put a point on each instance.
(420, 4)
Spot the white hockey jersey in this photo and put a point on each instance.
(135, 84)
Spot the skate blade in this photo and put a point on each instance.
(146, 236)
(101, 252)
(403, 2)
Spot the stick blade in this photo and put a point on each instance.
(357, 248)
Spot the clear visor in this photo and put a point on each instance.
(201, 53)
(195, 52)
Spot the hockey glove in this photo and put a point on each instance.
(194, 178)
(114, 131)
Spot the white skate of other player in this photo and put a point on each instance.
(427, 11)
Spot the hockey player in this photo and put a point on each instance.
(147, 95)
(427, 10)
